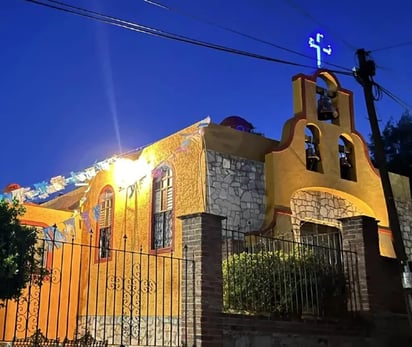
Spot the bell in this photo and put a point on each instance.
(308, 139)
(344, 162)
(311, 154)
(312, 158)
(345, 168)
(326, 110)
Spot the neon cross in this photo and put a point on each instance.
(315, 43)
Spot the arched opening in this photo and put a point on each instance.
(312, 141)
(327, 99)
(346, 159)
(316, 221)
(316, 215)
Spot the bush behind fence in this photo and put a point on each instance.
(286, 279)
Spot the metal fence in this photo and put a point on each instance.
(288, 279)
(130, 298)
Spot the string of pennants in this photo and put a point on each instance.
(54, 236)
(187, 139)
(44, 189)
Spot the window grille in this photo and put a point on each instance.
(162, 227)
(105, 224)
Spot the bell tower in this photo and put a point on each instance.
(322, 162)
(321, 100)
(327, 110)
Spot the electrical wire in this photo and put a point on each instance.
(395, 98)
(377, 92)
(377, 89)
(237, 32)
(61, 6)
(308, 15)
(403, 44)
(393, 73)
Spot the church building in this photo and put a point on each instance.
(296, 188)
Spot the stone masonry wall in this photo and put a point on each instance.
(320, 207)
(137, 331)
(325, 208)
(405, 220)
(236, 190)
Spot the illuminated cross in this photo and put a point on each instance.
(315, 43)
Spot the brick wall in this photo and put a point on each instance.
(379, 288)
(202, 240)
(378, 291)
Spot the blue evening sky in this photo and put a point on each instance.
(74, 91)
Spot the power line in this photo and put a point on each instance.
(61, 6)
(395, 98)
(308, 15)
(376, 90)
(403, 44)
(237, 32)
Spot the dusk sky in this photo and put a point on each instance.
(74, 91)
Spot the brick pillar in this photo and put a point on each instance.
(378, 286)
(202, 239)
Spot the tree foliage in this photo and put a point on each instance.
(397, 142)
(19, 257)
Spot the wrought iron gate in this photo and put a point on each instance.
(132, 298)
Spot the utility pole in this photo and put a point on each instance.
(364, 75)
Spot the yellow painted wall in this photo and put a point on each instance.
(38, 213)
(286, 170)
(133, 216)
(242, 144)
(56, 318)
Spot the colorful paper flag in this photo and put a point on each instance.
(96, 212)
(58, 182)
(59, 237)
(70, 227)
(41, 187)
(86, 220)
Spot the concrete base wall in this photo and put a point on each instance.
(371, 331)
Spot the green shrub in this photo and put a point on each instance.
(277, 283)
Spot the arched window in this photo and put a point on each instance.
(162, 209)
(313, 159)
(346, 159)
(105, 224)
